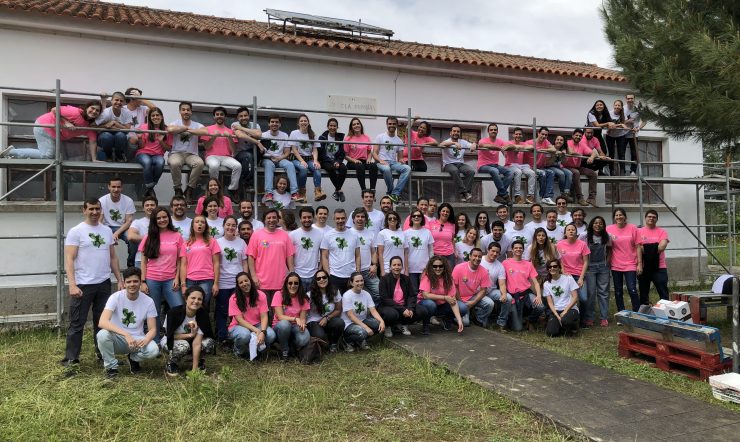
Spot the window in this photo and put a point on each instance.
(648, 150)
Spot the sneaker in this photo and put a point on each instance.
(5, 151)
(582, 202)
(405, 330)
(332, 348)
(202, 364)
(632, 174)
(294, 197)
(588, 323)
(499, 199)
(111, 373)
(393, 198)
(342, 198)
(435, 321)
(284, 356)
(171, 369)
(518, 200)
(446, 324)
(178, 192)
(268, 197)
(502, 329)
(548, 201)
(335, 195)
(592, 202)
(364, 346)
(604, 323)
(530, 199)
(349, 348)
(425, 330)
(388, 333)
(135, 366)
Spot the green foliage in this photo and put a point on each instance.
(684, 58)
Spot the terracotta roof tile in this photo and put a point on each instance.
(254, 30)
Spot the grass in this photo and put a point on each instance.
(384, 394)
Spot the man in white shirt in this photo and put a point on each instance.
(375, 218)
(246, 209)
(89, 259)
(307, 243)
(322, 216)
(554, 231)
(139, 109)
(275, 153)
(497, 292)
(248, 134)
(185, 133)
(116, 117)
(536, 211)
(497, 236)
(518, 233)
(502, 212)
(118, 214)
(179, 220)
(122, 326)
(368, 253)
(388, 153)
(140, 227)
(340, 252)
(453, 162)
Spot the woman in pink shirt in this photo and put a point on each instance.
(358, 154)
(522, 285)
(248, 312)
(443, 232)
(201, 259)
(626, 262)
(150, 153)
(574, 259)
(225, 207)
(160, 261)
(654, 241)
(72, 116)
(438, 295)
(420, 138)
(291, 306)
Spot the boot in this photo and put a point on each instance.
(301, 195)
(178, 191)
(318, 195)
(189, 192)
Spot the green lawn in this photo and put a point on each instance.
(384, 394)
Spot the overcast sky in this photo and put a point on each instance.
(555, 29)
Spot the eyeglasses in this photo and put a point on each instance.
(553, 267)
(415, 216)
(322, 278)
(438, 266)
(293, 282)
(392, 218)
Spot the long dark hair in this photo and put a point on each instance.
(446, 273)
(219, 194)
(602, 117)
(311, 133)
(317, 298)
(451, 218)
(206, 231)
(241, 297)
(301, 295)
(84, 107)
(590, 231)
(151, 126)
(487, 227)
(362, 128)
(547, 265)
(151, 246)
(547, 248)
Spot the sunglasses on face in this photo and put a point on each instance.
(322, 278)
(438, 266)
(416, 216)
(293, 282)
(553, 267)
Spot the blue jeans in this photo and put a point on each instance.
(443, 310)
(504, 301)
(246, 159)
(354, 334)
(288, 334)
(111, 344)
(206, 285)
(152, 166)
(302, 173)
(482, 310)
(597, 283)
(372, 286)
(547, 182)
(564, 176)
(241, 337)
(222, 313)
(113, 144)
(585, 303)
(162, 291)
(631, 279)
(497, 172)
(270, 166)
(525, 300)
(387, 170)
(46, 147)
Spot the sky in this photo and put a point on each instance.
(555, 29)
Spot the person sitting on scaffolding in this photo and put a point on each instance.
(185, 150)
(546, 175)
(388, 155)
(513, 155)
(275, 153)
(114, 142)
(220, 150)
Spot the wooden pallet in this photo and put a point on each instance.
(700, 301)
(672, 357)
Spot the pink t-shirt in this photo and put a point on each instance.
(426, 286)
(571, 256)
(398, 293)
(624, 247)
(164, 267)
(654, 236)
(223, 212)
(488, 157)
(468, 281)
(575, 162)
(357, 151)
(442, 238)
(293, 309)
(513, 156)
(417, 152)
(221, 145)
(518, 275)
(150, 147)
(252, 315)
(270, 251)
(542, 159)
(199, 257)
(591, 145)
(72, 114)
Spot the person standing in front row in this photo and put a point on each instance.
(340, 252)
(453, 162)
(388, 153)
(270, 255)
(185, 150)
(654, 241)
(626, 262)
(89, 258)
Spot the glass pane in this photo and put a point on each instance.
(24, 111)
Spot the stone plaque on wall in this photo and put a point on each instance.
(359, 105)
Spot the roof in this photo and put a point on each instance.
(138, 16)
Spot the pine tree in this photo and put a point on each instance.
(684, 58)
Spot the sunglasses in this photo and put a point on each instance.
(293, 282)
(392, 218)
(438, 266)
(415, 216)
(553, 267)
(562, 204)
(321, 278)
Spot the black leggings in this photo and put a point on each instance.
(360, 167)
(617, 147)
(567, 323)
(337, 175)
(393, 315)
(330, 333)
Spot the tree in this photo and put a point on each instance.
(684, 58)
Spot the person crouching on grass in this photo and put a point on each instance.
(189, 332)
(122, 326)
(361, 319)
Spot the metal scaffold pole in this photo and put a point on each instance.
(255, 213)
(408, 151)
(534, 161)
(59, 208)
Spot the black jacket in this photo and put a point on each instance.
(388, 286)
(175, 317)
(324, 155)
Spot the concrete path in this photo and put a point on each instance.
(594, 401)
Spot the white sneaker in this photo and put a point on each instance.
(404, 330)
(5, 151)
(388, 333)
(434, 321)
(548, 201)
(632, 174)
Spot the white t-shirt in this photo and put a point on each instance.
(244, 144)
(304, 145)
(114, 213)
(314, 315)
(92, 263)
(452, 155)
(503, 242)
(185, 142)
(366, 241)
(274, 144)
(131, 315)
(185, 326)
(556, 234)
(322, 229)
(142, 226)
(419, 243)
(216, 227)
(375, 221)
(462, 252)
(393, 242)
(389, 148)
(564, 220)
(138, 115)
(634, 115)
(508, 225)
(512, 235)
(361, 303)
(341, 247)
(233, 255)
(256, 224)
(107, 115)
(183, 226)
(560, 291)
(307, 251)
(532, 225)
(495, 269)
(281, 201)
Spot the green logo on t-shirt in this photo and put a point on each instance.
(388, 146)
(179, 230)
(359, 307)
(306, 243)
(273, 146)
(128, 317)
(466, 256)
(305, 146)
(557, 291)
(115, 215)
(230, 254)
(214, 232)
(97, 240)
(277, 205)
(331, 148)
(456, 239)
(342, 243)
(362, 240)
(521, 238)
(369, 222)
(415, 242)
(328, 308)
(561, 222)
(396, 241)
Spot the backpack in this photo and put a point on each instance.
(311, 353)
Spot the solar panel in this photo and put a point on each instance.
(318, 21)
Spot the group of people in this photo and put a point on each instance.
(293, 277)
(133, 124)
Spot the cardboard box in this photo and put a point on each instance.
(678, 310)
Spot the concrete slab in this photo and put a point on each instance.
(590, 400)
